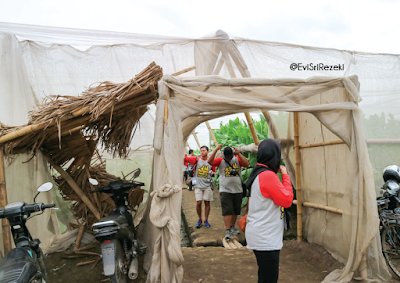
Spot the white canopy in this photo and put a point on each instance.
(38, 61)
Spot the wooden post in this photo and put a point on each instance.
(252, 129)
(166, 108)
(320, 206)
(75, 187)
(211, 134)
(183, 71)
(79, 237)
(197, 140)
(271, 125)
(239, 61)
(3, 202)
(96, 198)
(298, 178)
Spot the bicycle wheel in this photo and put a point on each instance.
(390, 238)
(120, 274)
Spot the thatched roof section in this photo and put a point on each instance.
(107, 113)
(68, 129)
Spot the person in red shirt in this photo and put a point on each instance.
(230, 185)
(202, 178)
(190, 169)
(266, 217)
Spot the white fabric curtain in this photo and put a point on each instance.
(22, 177)
(333, 102)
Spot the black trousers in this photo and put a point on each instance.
(268, 266)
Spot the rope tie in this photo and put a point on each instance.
(165, 191)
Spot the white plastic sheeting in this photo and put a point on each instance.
(41, 61)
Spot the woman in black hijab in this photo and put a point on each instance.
(265, 218)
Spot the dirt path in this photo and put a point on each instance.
(299, 262)
(205, 236)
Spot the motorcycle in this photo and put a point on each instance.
(117, 234)
(25, 263)
(389, 215)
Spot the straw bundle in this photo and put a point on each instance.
(109, 111)
(68, 129)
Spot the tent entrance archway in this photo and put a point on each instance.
(338, 176)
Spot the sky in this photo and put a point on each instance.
(368, 26)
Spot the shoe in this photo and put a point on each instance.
(198, 225)
(207, 224)
(234, 231)
(228, 234)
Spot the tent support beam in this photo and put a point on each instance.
(211, 134)
(320, 206)
(321, 144)
(75, 187)
(183, 71)
(166, 108)
(3, 202)
(195, 137)
(240, 64)
(252, 129)
(298, 178)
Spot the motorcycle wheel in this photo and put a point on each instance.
(390, 237)
(120, 274)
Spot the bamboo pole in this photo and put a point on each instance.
(320, 206)
(245, 73)
(211, 134)
(166, 108)
(183, 71)
(383, 141)
(369, 141)
(321, 144)
(298, 179)
(75, 187)
(33, 128)
(79, 237)
(96, 198)
(195, 137)
(252, 129)
(271, 125)
(3, 202)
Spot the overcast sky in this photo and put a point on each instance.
(369, 26)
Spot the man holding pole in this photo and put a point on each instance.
(230, 185)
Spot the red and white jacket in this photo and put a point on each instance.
(265, 221)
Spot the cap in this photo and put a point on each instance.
(228, 153)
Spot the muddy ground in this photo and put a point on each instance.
(208, 261)
(300, 262)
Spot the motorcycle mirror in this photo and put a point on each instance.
(137, 173)
(94, 182)
(45, 187)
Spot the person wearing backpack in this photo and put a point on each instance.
(230, 185)
(203, 173)
(266, 217)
